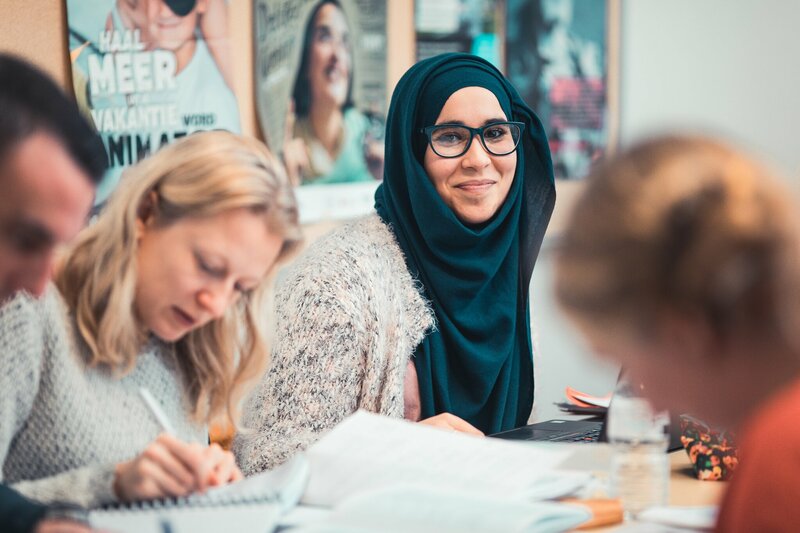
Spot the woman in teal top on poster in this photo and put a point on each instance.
(333, 142)
(421, 309)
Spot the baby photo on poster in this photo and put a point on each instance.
(147, 72)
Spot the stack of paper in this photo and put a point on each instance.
(393, 475)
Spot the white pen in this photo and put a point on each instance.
(156, 409)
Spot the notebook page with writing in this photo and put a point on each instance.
(368, 451)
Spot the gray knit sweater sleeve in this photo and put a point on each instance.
(316, 373)
(21, 352)
(89, 486)
(23, 347)
(348, 317)
(63, 425)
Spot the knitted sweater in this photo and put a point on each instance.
(349, 316)
(64, 426)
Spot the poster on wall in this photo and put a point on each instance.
(147, 72)
(469, 26)
(557, 58)
(321, 98)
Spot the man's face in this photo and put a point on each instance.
(168, 29)
(44, 202)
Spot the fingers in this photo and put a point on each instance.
(155, 473)
(160, 454)
(462, 425)
(171, 467)
(209, 465)
(192, 456)
(157, 482)
(61, 526)
(453, 423)
(223, 465)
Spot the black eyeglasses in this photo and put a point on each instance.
(453, 140)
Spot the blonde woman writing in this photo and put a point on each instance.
(159, 293)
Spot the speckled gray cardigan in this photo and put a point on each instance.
(348, 318)
(63, 426)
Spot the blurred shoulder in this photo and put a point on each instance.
(27, 323)
(770, 426)
(24, 308)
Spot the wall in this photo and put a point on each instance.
(714, 65)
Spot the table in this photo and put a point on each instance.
(684, 488)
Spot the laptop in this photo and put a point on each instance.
(580, 431)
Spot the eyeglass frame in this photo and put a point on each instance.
(428, 130)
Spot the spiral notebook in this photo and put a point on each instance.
(253, 505)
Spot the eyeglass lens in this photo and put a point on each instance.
(452, 141)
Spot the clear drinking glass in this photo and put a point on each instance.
(639, 437)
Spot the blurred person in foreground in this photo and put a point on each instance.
(50, 162)
(680, 261)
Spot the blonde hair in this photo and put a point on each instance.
(685, 224)
(202, 175)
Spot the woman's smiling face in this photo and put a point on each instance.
(329, 60)
(476, 184)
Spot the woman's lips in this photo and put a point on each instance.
(183, 317)
(475, 185)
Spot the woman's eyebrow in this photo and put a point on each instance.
(462, 123)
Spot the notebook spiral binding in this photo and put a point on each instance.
(195, 500)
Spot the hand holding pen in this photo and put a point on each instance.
(169, 467)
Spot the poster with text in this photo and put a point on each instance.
(556, 57)
(321, 98)
(148, 72)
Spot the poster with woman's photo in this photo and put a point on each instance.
(321, 98)
(147, 72)
(556, 56)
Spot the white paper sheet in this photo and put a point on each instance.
(420, 509)
(368, 451)
(699, 518)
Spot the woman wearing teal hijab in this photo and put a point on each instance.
(421, 309)
(477, 363)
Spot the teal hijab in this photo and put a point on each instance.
(477, 362)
